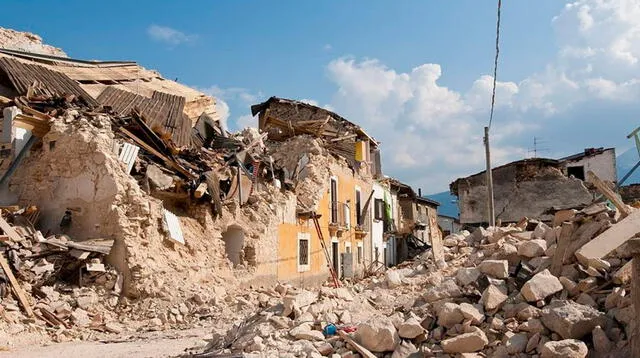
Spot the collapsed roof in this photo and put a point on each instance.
(170, 107)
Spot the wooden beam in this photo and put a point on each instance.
(17, 290)
(161, 156)
(609, 194)
(9, 230)
(610, 239)
(564, 239)
(362, 350)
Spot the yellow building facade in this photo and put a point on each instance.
(302, 260)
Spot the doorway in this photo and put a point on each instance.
(335, 258)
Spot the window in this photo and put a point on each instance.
(304, 252)
(334, 200)
(359, 254)
(577, 172)
(378, 208)
(358, 207)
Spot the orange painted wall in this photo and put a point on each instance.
(288, 234)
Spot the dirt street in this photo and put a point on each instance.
(151, 344)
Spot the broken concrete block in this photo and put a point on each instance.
(623, 275)
(474, 313)
(378, 335)
(567, 284)
(568, 348)
(158, 179)
(533, 248)
(540, 286)
(517, 343)
(447, 289)
(532, 343)
(614, 298)
(410, 328)
(449, 315)
(304, 332)
(298, 301)
(393, 278)
(570, 319)
(467, 275)
(466, 342)
(601, 342)
(493, 298)
(495, 268)
(585, 299)
(540, 231)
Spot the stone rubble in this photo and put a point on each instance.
(485, 302)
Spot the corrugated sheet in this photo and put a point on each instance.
(128, 155)
(49, 82)
(174, 227)
(163, 112)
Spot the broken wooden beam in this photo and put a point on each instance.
(9, 230)
(15, 286)
(609, 194)
(362, 350)
(564, 240)
(610, 239)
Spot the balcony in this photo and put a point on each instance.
(340, 216)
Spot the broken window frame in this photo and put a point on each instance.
(359, 251)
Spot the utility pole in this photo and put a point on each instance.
(490, 208)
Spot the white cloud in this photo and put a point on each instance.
(432, 134)
(327, 47)
(246, 120)
(169, 35)
(239, 98)
(222, 109)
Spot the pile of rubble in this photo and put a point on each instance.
(505, 291)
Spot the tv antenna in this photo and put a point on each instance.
(537, 141)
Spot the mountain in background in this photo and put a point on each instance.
(448, 203)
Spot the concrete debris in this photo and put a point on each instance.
(570, 319)
(568, 348)
(466, 343)
(495, 268)
(378, 334)
(541, 286)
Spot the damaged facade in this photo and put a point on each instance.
(535, 187)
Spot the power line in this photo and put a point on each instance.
(495, 64)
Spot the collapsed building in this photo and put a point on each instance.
(535, 188)
(134, 172)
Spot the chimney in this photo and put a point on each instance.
(420, 192)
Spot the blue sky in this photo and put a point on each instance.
(412, 73)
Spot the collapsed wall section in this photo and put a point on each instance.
(529, 188)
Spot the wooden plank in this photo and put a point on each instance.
(563, 242)
(162, 157)
(102, 246)
(610, 239)
(362, 350)
(9, 230)
(17, 290)
(609, 194)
